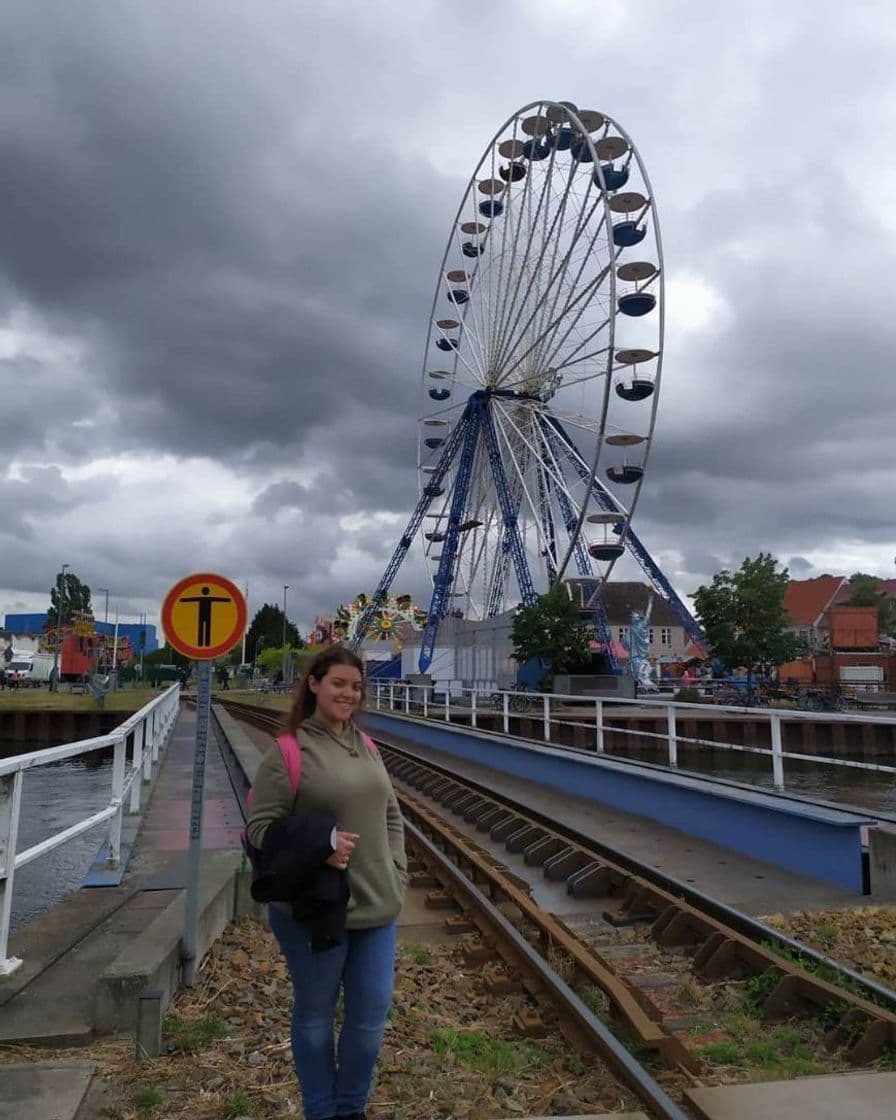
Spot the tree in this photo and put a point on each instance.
(743, 616)
(75, 596)
(266, 632)
(864, 591)
(551, 631)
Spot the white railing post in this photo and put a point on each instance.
(672, 732)
(473, 695)
(777, 752)
(392, 696)
(156, 733)
(10, 805)
(506, 706)
(599, 726)
(147, 750)
(407, 699)
(137, 768)
(379, 695)
(547, 718)
(119, 760)
(448, 702)
(425, 688)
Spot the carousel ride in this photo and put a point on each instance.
(541, 375)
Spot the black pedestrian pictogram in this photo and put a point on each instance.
(205, 600)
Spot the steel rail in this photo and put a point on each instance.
(623, 1064)
(627, 1002)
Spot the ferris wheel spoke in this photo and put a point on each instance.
(500, 416)
(555, 282)
(530, 441)
(517, 204)
(558, 280)
(560, 216)
(496, 266)
(582, 305)
(581, 299)
(548, 237)
(526, 277)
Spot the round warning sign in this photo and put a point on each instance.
(204, 615)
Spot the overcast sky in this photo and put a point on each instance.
(221, 225)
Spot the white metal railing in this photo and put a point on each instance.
(145, 731)
(469, 704)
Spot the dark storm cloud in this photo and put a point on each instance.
(220, 227)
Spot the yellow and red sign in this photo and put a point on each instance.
(204, 615)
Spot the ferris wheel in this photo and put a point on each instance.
(541, 373)
(542, 365)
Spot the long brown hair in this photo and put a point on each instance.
(304, 701)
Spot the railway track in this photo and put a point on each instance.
(718, 945)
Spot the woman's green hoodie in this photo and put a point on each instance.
(340, 775)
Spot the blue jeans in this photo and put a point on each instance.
(337, 1082)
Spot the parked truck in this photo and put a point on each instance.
(29, 670)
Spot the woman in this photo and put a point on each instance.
(343, 778)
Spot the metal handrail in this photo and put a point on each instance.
(147, 730)
(405, 697)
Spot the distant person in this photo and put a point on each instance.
(338, 931)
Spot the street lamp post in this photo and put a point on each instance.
(60, 599)
(285, 589)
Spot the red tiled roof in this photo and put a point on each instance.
(805, 600)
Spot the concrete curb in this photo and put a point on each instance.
(153, 959)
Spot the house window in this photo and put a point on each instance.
(651, 635)
(666, 636)
(623, 633)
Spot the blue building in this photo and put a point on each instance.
(134, 631)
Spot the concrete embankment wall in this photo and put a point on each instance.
(43, 727)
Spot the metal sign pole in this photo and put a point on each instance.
(191, 922)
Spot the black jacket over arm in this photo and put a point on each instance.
(291, 867)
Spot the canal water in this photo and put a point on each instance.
(53, 798)
(865, 789)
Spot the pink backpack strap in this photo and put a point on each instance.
(291, 751)
(369, 743)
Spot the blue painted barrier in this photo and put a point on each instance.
(814, 840)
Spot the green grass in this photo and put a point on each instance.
(757, 989)
(721, 1053)
(42, 700)
(418, 954)
(193, 1034)
(238, 1105)
(146, 1100)
(478, 1051)
(593, 998)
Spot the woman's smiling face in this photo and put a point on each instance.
(337, 694)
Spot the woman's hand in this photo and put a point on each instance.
(345, 845)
